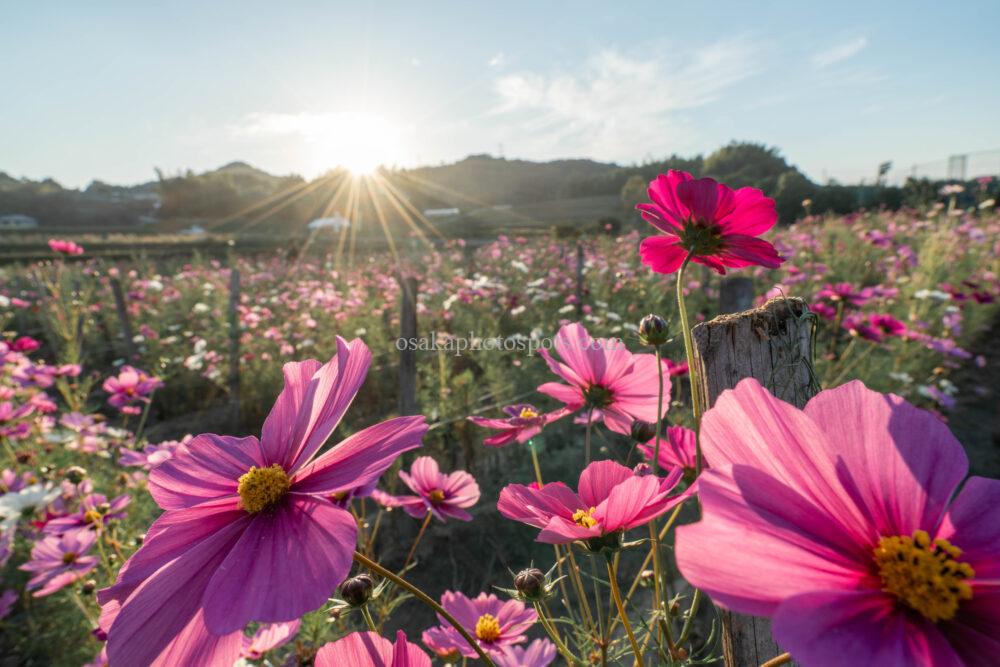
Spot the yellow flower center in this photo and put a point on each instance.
(338, 495)
(436, 496)
(488, 628)
(924, 575)
(262, 488)
(69, 557)
(585, 518)
(527, 413)
(92, 516)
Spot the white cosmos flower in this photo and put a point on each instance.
(15, 505)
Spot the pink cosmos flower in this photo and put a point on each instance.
(129, 387)
(539, 653)
(844, 526)
(25, 344)
(65, 247)
(523, 423)
(367, 649)
(440, 494)
(95, 511)
(7, 600)
(267, 638)
(494, 623)
(151, 455)
(678, 449)
(58, 561)
(249, 532)
(875, 328)
(676, 368)
(601, 374)
(709, 221)
(612, 499)
(844, 293)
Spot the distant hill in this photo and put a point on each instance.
(490, 192)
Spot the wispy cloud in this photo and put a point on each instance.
(498, 60)
(840, 52)
(617, 104)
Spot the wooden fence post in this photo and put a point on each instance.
(121, 307)
(773, 344)
(579, 279)
(735, 294)
(407, 355)
(234, 346)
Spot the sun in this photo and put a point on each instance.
(358, 142)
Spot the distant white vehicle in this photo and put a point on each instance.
(194, 230)
(335, 222)
(17, 221)
(440, 212)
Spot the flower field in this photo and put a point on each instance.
(549, 482)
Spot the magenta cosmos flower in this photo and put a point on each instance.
(612, 499)
(440, 494)
(65, 247)
(709, 221)
(678, 449)
(523, 422)
(249, 532)
(842, 523)
(367, 649)
(602, 375)
(267, 638)
(539, 653)
(95, 512)
(494, 623)
(57, 562)
(129, 387)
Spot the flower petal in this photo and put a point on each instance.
(900, 464)
(208, 467)
(597, 480)
(358, 649)
(786, 544)
(849, 628)
(973, 524)
(749, 426)
(308, 540)
(663, 254)
(362, 457)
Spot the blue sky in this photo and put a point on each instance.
(111, 90)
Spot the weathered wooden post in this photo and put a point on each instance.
(407, 355)
(579, 279)
(735, 294)
(121, 307)
(234, 346)
(773, 344)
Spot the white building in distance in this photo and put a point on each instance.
(17, 221)
(334, 222)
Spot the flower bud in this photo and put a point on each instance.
(653, 330)
(530, 583)
(89, 586)
(356, 591)
(642, 469)
(75, 474)
(642, 431)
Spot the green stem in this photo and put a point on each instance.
(413, 549)
(368, 619)
(142, 420)
(692, 612)
(361, 559)
(616, 594)
(554, 634)
(693, 379)
(586, 440)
